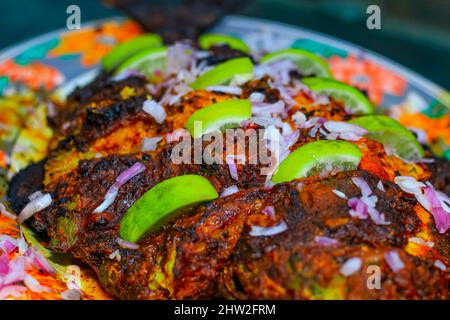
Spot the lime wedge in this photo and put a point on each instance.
(353, 99)
(307, 62)
(123, 51)
(163, 203)
(227, 114)
(225, 72)
(147, 62)
(391, 133)
(317, 157)
(210, 39)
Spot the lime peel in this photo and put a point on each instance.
(124, 50)
(312, 158)
(307, 62)
(210, 39)
(163, 203)
(353, 99)
(214, 117)
(241, 68)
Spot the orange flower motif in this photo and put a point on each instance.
(35, 75)
(368, 76)
(434, 127)
(93, 43)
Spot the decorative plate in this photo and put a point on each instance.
(56, 62)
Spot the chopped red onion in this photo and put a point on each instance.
(287, 96)
(232, 167)
(129, 173)
(23, 246)
(71, 294)
(299, 118)
(127, 245)
(174, 93)
(4, 266)
(421, 242)
(226, 89)
(362, 185)
(115, 255)
(16, 271)
(39, 261)
(257, 231)
(155, 110)
(34, 206)
(351, 266)
(150, 144)
(12, 291)
(4, 212)
(358, 208)
(279, 70)
(440, 265)
(229, 191)
(34, 285)
(325, 241)
(340, 194)
(313, 122)
(344, 130)
(269, 211)
(179, 57)
(126, 175)
(265, 121)
(444, 200)
(256, 97)
(380, 186)
(393, 260)
(377, 217)
(441, 217)
(321, 100)
(262, 108)
(409, 184)
(7, 244)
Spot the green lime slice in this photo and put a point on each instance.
(208, 40)
(316, 157)
(241, 68)
(163, 203)
(391, 133)
(147, 62)
(123, 51)
(353, 99)
(227, 114)
(307, 62)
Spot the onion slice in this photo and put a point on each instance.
(351, 266)
(155, 110)
(34, 206)
(394, 261)
(257, 231)
(126, 175)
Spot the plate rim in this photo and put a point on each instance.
(435, 90)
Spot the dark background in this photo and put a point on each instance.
(415, 33)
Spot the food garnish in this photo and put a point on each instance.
(210, 39)
(164, 202)
(123, 51)
(318, 158)
(227, 114)
(239, 70)
(308, 63)
(354, 100)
